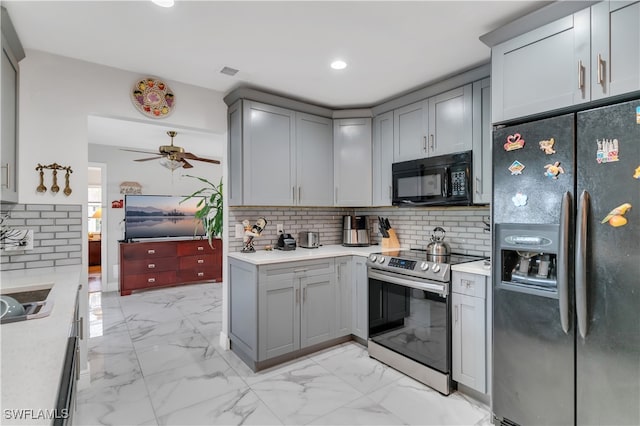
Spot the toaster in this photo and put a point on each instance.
(286, 242)
(309, 239)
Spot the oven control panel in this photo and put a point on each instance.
(402, 263)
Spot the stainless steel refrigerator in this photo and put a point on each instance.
(566, 278)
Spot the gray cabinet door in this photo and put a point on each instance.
(352, 162)
(234, 154)
(269, 155)
(482, 142)
(615, 48)
(243, 306)
(410, 131)
(344, 289)
(450, 122)
(360, 298)
(382, 159)
(545, 69)
(279, 314)
(314, 145)
(468, 343)
(9, 128)
(317, 322)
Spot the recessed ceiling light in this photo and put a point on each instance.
(164, 3)
(338, 65)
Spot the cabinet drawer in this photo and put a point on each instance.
(186, 248)
(143, 266)
(197, 274)
(156, 279)
(469, 284)
(201, 262)
(299, 269)
(148, 250)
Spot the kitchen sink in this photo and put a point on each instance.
(35, 300)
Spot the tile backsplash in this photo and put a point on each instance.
(57, 235)
(465, 231)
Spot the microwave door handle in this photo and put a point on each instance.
(445, 187)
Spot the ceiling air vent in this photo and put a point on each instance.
(229, 71)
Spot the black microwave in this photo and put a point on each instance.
(444, 180)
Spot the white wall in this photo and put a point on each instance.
(155, 180)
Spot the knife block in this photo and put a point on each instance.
(391, 242)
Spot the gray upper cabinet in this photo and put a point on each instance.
(615, 48)
(482, 142)
(450, 121)
(268, 155)
(542, 70)
(382, 159)
(234, 154)
(12, 53)
(352, 162)
(314, 165)
(410, 131)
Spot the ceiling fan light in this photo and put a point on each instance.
(170, 163)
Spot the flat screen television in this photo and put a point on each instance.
(160, 216)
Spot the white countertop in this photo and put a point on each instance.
(263, 257)
(477, 267)
(33, 351)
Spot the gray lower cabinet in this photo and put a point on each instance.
(317, 324)
(360, 298)
(345, 295)
(470, 335)
(482, 142)
(382, 159)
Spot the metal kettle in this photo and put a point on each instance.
(438, 250)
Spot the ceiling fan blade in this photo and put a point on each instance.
(191, 156)
(150, 158)
(186, 164)
(138, 150)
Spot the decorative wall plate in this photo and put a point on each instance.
(153, 97)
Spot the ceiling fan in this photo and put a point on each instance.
(172, 156)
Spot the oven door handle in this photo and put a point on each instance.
(438, 288)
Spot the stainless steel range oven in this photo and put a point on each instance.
(410, 314)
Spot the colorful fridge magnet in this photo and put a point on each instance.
(514, 142)
(553, 170)
(547, 146)
(607, 151)
(519, 199)
(638, 115)
(615, 216)
(636, 175)
(516, 168)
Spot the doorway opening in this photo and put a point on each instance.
(96, 228)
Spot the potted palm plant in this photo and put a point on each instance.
(209, 207)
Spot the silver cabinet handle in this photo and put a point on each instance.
(600, 70)
(81, 328)
(299, 194)
(297, 296)
(336, 195)
(151, 252)
(432, 143)
(8, 184)
(151, 280)
(200, 261)
(424, 143)
(77, 363)
(580, 75)
(293, 193)
(390, 192)
(201, 274)
(151, 266)
(200, 248)
(304, 294)
(456, 316)
(581, 262)
(563, 260)
(478, 185)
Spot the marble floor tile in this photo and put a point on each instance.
(251, 377)
(113, 369)
(362, 411)
(415, 403)
(111, 344)
(353, 365)
(174, 353)
(303, 394)
(125, 404)
(237, 407)
(161, 332)
(189, 384)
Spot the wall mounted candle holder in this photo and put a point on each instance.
(54, 187)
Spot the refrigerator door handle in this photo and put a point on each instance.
(581, 263)
(563, 258)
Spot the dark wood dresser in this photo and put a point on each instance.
(145, 265)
